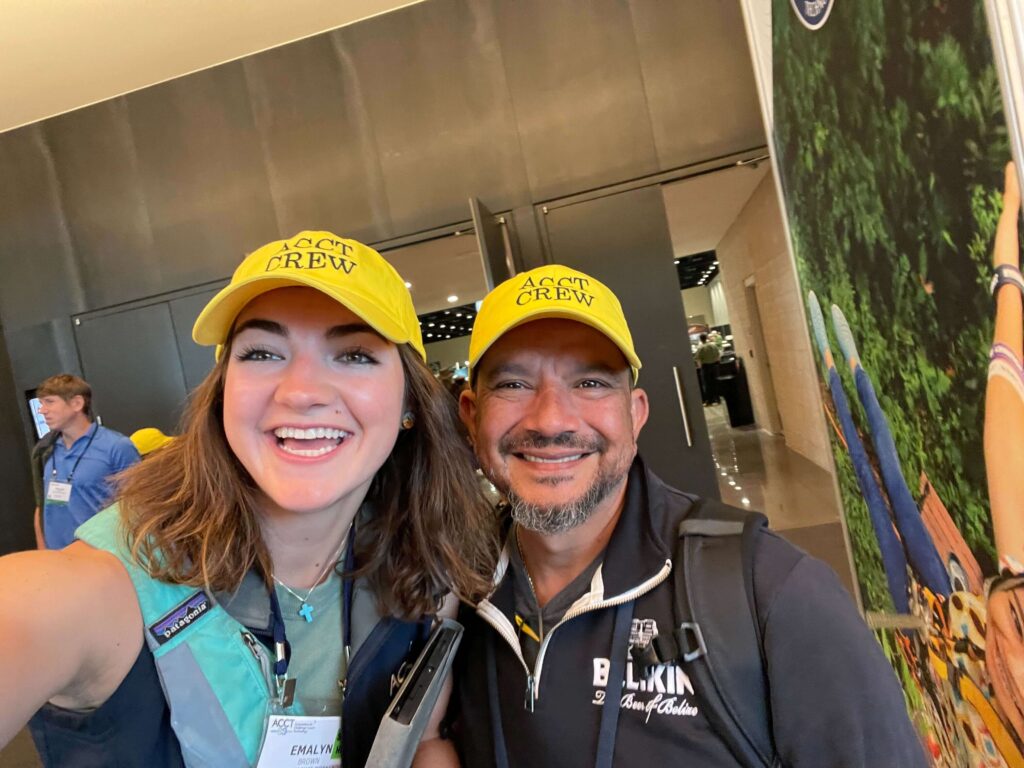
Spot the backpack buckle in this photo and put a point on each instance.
(690, 640)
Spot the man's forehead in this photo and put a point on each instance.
(553, 340)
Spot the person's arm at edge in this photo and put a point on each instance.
(835, 698)
(37, 524)
(71, 630)
(434, 750)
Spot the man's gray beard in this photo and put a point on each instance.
(550, 520)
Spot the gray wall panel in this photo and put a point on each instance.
(101, 193)
(16, 532)
(433, 80)
(40, 274)
(196, 361)
(130, 360)
(698, 79)
(203, 174)
(577, 89)
(320, 152)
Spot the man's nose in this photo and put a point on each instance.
(553, 411)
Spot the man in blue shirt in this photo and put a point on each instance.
(74, 463)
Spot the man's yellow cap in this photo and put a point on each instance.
(351, 273)
(552, 291)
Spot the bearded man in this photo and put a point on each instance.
(582, 656)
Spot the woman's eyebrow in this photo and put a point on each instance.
(262, 325)
(350, 328)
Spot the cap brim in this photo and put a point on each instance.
(546, 313)
(215, 321)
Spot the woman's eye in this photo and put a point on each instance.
(256, 354)
(358, 356)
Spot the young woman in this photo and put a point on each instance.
(214, 597)
(1004, 463)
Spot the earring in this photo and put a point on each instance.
(408, 420)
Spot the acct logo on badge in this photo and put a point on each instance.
(812, 13)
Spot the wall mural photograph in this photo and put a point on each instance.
(893, 154)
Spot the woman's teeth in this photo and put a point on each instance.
(310, 434)
(285, 436)
(559, 460)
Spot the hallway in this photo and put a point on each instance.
(757, 471)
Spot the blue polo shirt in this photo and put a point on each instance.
(92, 459)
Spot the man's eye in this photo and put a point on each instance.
(591, 384)
(256, 354)
(509, 385)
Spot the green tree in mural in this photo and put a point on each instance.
(889, 127)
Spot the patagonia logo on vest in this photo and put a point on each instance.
(181, 617)
(307, 253)
(567, 288)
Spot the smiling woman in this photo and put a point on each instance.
(285, 555)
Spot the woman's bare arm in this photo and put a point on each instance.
(70, 630)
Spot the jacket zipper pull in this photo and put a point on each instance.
(531, 693)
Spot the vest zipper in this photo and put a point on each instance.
(493, 616)
(261, 658)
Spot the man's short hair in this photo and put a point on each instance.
(703, 337)
(66, 386)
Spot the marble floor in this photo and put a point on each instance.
(757, 471)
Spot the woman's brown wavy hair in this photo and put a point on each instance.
(189, 509)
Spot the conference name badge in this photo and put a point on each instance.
(58, 492)
(301, 742)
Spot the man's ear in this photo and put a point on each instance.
(77, 402)
(640, 409)
(467, 412)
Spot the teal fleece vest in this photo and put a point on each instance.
(215, 676)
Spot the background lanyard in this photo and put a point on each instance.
(282, 649)
(53, 457)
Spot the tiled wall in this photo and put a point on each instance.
(755, 246)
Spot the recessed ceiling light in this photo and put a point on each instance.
(408, 284)
(677, 261)
(448, 336)
(452, 299)
(430, 335)
(430, 325)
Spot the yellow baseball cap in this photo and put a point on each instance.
(351, 273)
(552, 291)
(148, 439)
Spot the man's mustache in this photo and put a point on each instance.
(520, 442)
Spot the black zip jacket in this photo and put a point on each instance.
(834, 698)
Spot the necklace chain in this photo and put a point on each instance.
(306, 610)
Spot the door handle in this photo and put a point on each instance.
(682, 406)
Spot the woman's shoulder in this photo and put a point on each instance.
(84, 629)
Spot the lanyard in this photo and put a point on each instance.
(282, 649)
(92, 436)
(613, 692)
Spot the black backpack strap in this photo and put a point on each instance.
(41, 453)
(717, 635)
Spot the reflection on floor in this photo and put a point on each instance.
(757, 471)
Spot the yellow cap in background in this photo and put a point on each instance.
(551, 291)
(353, 274)
(148, 439)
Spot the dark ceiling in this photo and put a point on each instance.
(696, 270)
(448, 323)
